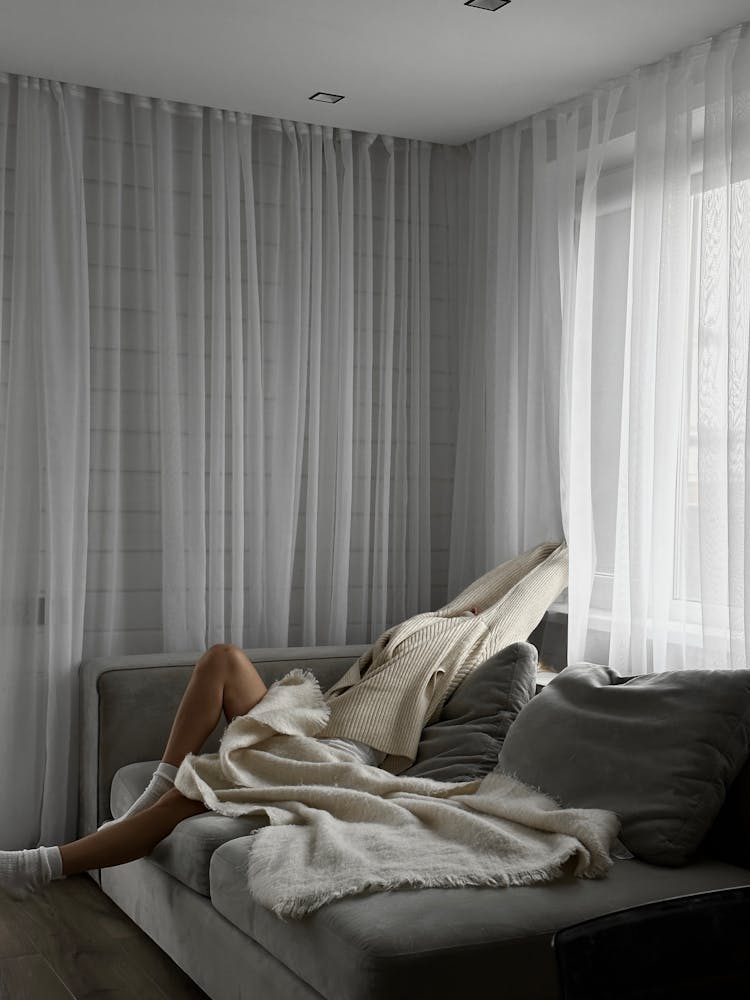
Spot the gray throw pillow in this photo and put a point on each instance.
(659, 750)
(465, 741)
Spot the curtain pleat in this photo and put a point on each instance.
(384, 394)
(724, 331)
(364, 369)
(506, 495)
(654, 367)
(576, 373)
(254, 427)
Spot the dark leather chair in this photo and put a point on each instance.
(684, 948)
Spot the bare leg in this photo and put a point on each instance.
(130, 838)
(224, 679)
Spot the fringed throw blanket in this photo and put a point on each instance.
(338, 827)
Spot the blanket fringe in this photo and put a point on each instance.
(296, 675)
(300, 906)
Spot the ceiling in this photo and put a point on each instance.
(425, 69)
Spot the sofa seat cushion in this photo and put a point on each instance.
(444, 943)
(186, 852)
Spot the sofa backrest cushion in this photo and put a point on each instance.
(465, 741)
(660, 750)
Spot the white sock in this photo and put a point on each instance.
(22, 872)
(161, 781)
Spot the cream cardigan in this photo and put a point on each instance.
(401, 683)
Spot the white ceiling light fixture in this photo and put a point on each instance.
(487, 4)
(327, 98)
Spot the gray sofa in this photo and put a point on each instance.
(189, 895)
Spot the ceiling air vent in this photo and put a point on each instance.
(327, 98)
(487, 4)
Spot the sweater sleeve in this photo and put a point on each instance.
(524, 605)
(515, 616)
(486, 592)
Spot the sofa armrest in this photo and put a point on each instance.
(128, 703)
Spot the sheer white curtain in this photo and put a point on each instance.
(44, 456)
(576, 217)
(641, 192)
(215, 402)
(284, 417)
(679, 561)
(506, 486)
(720, 410)
(656, 345)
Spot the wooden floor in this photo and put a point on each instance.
(72, 941)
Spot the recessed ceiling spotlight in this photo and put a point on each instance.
(328, 98)
(487, 4)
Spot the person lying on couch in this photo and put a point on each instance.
(377, 709)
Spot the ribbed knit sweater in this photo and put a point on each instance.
(399, 685)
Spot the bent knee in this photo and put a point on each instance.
(221, 649)
(233, 657)
(221, 655)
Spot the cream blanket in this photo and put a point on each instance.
(339, 827)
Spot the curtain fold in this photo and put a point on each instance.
(576, 375)
(506, 485)
(655, 352)
(723, 323)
